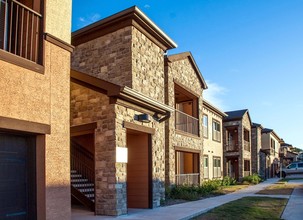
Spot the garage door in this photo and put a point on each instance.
(17, 177)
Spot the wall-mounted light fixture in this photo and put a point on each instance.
(145, 118)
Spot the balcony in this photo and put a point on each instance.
(186, 123)
(232, 146)
(187, 179)
(21, 30)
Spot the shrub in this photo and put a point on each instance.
(252, 179)
(228, 181)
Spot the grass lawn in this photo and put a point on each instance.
(229, 189)
(280, 188)
(247, 208)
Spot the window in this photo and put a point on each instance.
(272, 143)
(216, 131)
(217, 167)
(246, 140)
(205, 126)
(206, 167)
(300, 165)
(246, 167)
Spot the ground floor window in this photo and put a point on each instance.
(246, 167)
(187, 168)
(206, 167)
(217, 167)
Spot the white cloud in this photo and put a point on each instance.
(84, 21)
(214, 94)
(147, 6)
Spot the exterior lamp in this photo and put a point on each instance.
(145, 118)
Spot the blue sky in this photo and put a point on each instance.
(250, 52)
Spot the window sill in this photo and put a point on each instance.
(21, 62)
(187, 134)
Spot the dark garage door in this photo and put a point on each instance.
(17, 177)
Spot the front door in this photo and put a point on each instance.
(17, 177)
(138, 170)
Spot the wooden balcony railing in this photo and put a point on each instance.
(186, 123)
(187, 179)
(20, 30)
(246, 146)
(232, 146)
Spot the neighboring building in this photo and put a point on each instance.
(286, 153)
(213, 141)
(118, 104)
(34, 111)
(237, 144)
(184, 86)
(256, 148)
(271, 144)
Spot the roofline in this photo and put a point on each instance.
(238, 118)
(215, 109)
(182, 56)
(255, 125)
(273, 132)
(122, 92)
(119, 19)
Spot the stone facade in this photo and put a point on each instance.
(128, 54)
(212, 148)
(111, 196)
(243, 123)
(41, 99)
(179, 68)
(256, 146)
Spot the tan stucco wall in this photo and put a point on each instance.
(58, 18)
(183, 72)
(213, 148)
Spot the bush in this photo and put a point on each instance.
(228, 181)
(252, 179)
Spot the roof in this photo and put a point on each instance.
(268, 130)
(121, 92)
(132, 16)
(256, 125)
(188, 55)
(233, 115)
(213, 108)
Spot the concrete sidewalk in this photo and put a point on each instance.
(180, 211)
(294, 208)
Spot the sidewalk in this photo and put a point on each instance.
(294, 208)
(180, 211)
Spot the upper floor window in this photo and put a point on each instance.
(246, 140)
(205, 126)
(272, 143)
(216, 131)
(21, 28)
(186, 105)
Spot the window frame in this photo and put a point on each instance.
(203, 126)
(216, 122)
(217, 169)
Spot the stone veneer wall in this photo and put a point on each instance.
(125, 57)
(147, 66)
(183, 72)
(107, 57)
(243, 154)
(111, 195)
(255, 149)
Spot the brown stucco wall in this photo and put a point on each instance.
(183, 72)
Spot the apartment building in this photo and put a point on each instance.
(34, 110)
(184, 86)
(212, 122)
(237, 144)
(118, 112)
(271, 144)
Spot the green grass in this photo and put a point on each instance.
(247, 208)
